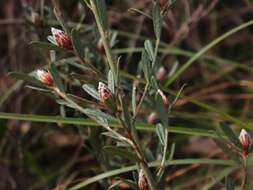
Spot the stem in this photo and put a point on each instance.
(104, 39)
(244, 179)
(132, 135)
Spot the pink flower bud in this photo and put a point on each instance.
(45, 77)
(164, 98)
(152, 118)
(161, 73)
(104, 91)
(142, 181)
(61, 39)
(245, 140)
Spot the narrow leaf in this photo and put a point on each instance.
(126, 114)
(134, 99)
(101, 9)
(53, 70)
(47, 46)
(161, 110)
(230, 184)
(111, 81)
(230, 134)
(145, 63)
(91, 91)
(26, 78)
(157, 20)
(77, 44)
(149, 48)
(122, 152)
(160, 131)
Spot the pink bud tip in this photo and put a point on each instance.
(164, 98)
(152, 118)
(245, 139)
(161, 73)
(104, 91)
(61, 38)
(45, 77)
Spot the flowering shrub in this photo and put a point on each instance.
(116, 98)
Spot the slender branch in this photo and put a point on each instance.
(244, 178)
(104, 38)
(132, 135)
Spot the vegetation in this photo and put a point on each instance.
(130, 95)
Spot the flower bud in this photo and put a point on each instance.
(161, 73)
(245, 140)
(152, 118)
(142, 181)
(45, 77)
(61, 39)
(104, 91)
(100, 46)
(164, 98)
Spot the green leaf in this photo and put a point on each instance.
(227, 150)
(161, 110)
(47, 46)
(126, 114)
(173, 68)
(54, 72)
(120, 151)
(130, 183)
(172, 151)
(26, 78)
(157, 20)
(98, 113)
(111, 81)
(77, 44)
(91, 91)
(117, 172)
(149, 48)
(160, 131)
(145, 63)
(230, 134)
(230, 184)
(88, 122)
(140, 12)
(111, 135)
(101, 9)
(134, 99)
(154, 83)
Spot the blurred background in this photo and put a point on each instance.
(51, 156)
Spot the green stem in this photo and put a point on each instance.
(104, 39)
(244, 177)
